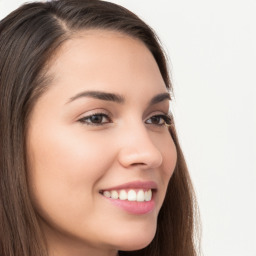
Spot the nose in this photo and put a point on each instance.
(138, 149)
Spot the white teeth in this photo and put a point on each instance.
(107, 194)
(148, 195)
(114, 194)
(140, 196)
(130, 195)
(123, 195)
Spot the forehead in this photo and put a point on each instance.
(106, 59)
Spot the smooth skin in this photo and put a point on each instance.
(78, 145)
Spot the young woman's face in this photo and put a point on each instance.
(96, 134)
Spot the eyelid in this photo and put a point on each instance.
(92, 113)
(167, 118)
(85, 119)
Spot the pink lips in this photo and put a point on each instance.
(134, 207)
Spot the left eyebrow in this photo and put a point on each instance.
(159, 98)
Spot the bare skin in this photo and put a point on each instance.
(80, 145)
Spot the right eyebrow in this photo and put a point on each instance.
(100, 96)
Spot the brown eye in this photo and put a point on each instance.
(95, 119)
(159, 120)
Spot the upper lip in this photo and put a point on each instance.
(134, 184)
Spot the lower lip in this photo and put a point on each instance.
(134, 207)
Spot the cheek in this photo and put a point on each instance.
(169, 154)
(66, 155)
(64, 168)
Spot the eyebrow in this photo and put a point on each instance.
(159, 98)
(100, 96)
(117, 98)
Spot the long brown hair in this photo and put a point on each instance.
(29, 37)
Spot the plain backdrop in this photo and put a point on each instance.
(212, 53)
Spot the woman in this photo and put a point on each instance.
(90, 161)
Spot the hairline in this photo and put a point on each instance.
(45, 78)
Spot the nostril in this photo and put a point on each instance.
(136, 164)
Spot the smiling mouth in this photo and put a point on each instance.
(139, 195)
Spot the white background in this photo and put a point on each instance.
(212, 50)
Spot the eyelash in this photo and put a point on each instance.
(167, 119)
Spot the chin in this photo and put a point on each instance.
(136, 245)
(136, 240)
